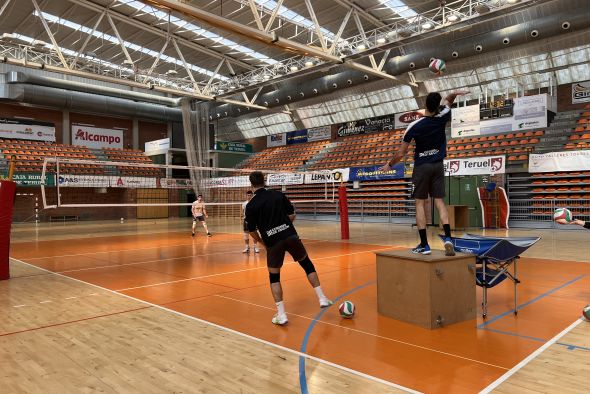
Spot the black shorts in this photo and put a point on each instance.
(428, 179)
(199, 218)
(276, 253)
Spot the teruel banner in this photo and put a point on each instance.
(26, 130)
(364, 126)
(338, 175)
(581, 92)
(284, 179)
(488, 165)
(319, 133)
(297, 137)
(97, 138)
(404, 119)
(578, 160)
(373, 173)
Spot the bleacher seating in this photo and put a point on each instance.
(284, 158)
(131, 156)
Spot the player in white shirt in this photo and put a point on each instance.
(246, 232)
(199, 214)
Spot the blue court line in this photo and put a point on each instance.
(302, 376)
(573, 347)
(493, 319)
(569, 346)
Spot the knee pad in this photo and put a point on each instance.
(274, 278)
(307, 265)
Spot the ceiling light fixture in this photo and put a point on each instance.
(427, 26)
(294, 68)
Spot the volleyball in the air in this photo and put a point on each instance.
(437, 66)
(563, 214)
(346, 310)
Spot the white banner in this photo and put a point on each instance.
(173, 183)
(319, 133)
(338, 175)
(530, 112)
(276, 140)
(96, 138)
(83, 181)
(157, 145)
(404, 119)
(581, 92)
(284, 179)
(488, 165)
(228, 181)
(26, 131)
(465, 121)
(133, 182)
(495, 125)
(578, 160)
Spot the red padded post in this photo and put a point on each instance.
(343, 199)
(7, 191)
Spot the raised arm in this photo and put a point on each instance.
(450, 99)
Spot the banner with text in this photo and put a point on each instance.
(227, 146)
(489, 165)
(297, 137)
(404, 119)
(581, 92)
(373, 173)
(319, 133)
(338, 175)
(28, 179)
(560, 161)
(284, 179)
(157, 145)
(530, 112)
(228, 181)
(276, 140)
(465, 121)
(364, 126)
(97, 138)
(26, 130)
(84, 181)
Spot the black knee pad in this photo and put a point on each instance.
(274, 278)
(307, 265)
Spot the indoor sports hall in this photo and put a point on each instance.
(157, 157)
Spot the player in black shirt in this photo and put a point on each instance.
(428, 177)
(271, 213)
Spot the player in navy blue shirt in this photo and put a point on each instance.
(428, 178)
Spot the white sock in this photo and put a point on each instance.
(319, 292)
(280, 308)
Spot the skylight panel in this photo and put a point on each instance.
(400, 8)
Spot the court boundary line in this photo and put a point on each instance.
(241, 334)
(529, 358)
(371, 334)
(236, 271)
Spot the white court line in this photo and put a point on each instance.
(530, 358)
(18, 306)
(45, 302)
(286, 349)
(236, 271)
(373, 335)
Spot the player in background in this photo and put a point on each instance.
(199, 214)
(246, 232)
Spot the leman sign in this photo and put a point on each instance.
(364, 126)
(226, 146)
(339, 175)
(476, 166)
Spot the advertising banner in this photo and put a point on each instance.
(97, 138)
(372, 173)
(465, 121)
(488, 165)
(495, 126)
(404, 119)
(364, 126)
(157, 145)
(276, 140)
(228, 181)
(338, 175)
(84, 181)
(233, 147)
(296, 137)
(530, 112)
(173, 183)
(133, 182)
(26, 130)
(560, 161)
(28, 179)
(284, 179)
(319, 133)
(580, 92)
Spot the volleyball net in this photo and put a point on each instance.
(79, 184)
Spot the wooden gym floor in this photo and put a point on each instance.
(144, 307)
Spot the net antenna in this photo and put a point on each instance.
(83, 183)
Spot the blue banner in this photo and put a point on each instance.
(372, 173)
(297, 137)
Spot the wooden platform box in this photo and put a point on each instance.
(428, 291)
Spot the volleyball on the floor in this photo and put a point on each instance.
(346, 309)
(437, 66)
(586, 312)
(562, 213)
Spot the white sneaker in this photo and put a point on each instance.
(247, 250)
(280, 320)
(256, 250)
(325, 302)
